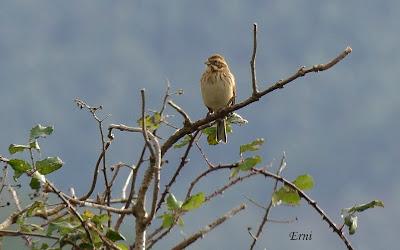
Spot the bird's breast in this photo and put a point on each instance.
(217, 91)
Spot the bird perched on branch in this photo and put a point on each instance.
(218, 89)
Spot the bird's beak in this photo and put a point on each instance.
(207, 63)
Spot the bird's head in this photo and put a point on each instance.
(216, 62)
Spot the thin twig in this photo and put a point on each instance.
(96, 171)
(107, 191)
(210, 165)
(178, 170)
(83, 105)
(255, 203)
(154, 241)
(166, 96)
(230, 184)
(282, 166)
(132, 190)
(14, 195)
(98, 206)
(201, 233)
(17, 233)
(253, 61)
(144, 128)
(187, 121)
(193, 183)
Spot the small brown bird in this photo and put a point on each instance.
(218, 89)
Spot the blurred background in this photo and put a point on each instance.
(340, 126)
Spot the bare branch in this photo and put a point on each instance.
(166, 96)
(98, 206)
(17, 233)
(96, 171)
(187, 121)
(253, 61)
(178, 170)
(208, 228)
(193, 183)
(132, 191)
(11, 219)
(154, 241)
(209, 164)
(144, 130)
(230, 184)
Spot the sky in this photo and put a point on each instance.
(340, 126)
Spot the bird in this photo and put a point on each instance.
(218, 89)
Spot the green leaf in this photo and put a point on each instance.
(228, 128)
(14, 148)
(87, 214)
(363, 207)
(152, 122)
(180, 222)
(63, 227)
(353, 224)
(100, 219)
(40, 131)
(37, 205)
(21, 219)
(234, 172)
(30, 228)
(35, 183)
(236, 119)
(173, 203)
(304, 182)
(85, 245)
(19, 166)
(194, 201)
(184, 141)
(249, 163)
(44, 246)
(48, 165)
(286, 195)
(211, 135)
(39, 177)
(121, 246)
(252, 146)
(168, 220)
(34, 145)
(114, 235)
(210, 131)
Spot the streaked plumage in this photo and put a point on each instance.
(218, 89)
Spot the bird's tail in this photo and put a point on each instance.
(221, 131)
